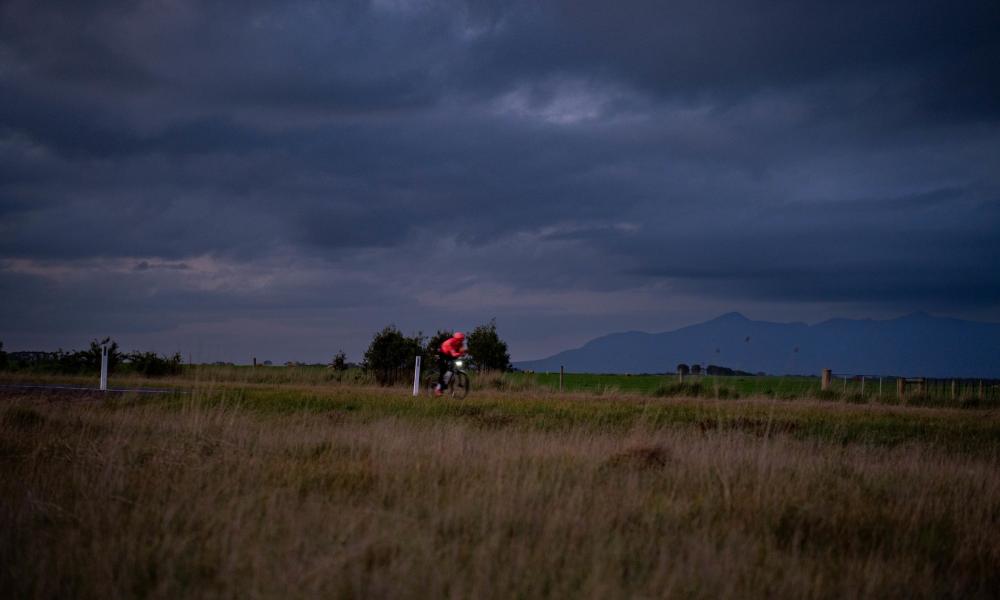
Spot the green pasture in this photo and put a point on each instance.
(648, 384)
(943, 392)
(774, 386)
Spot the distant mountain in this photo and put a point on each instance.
(917, 345)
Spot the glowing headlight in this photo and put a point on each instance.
(458, 363)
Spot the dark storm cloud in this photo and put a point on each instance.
(147, 297)
(769, 44)
(792, 152)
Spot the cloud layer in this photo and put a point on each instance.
(283, 178)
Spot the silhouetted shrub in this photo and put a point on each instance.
(390, 355)
(487, 351)
(151, 364)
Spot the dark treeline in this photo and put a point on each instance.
(390, 354)
(85, 362)
(695, 369)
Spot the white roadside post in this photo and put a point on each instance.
(104, 367)
(416, 377)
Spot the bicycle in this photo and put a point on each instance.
(455, 377)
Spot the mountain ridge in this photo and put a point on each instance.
(915, 344)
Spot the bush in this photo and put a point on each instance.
(339, 362)
(93, 355)
(67, 363)
(152, 364)
(390, 355)
(487, 351)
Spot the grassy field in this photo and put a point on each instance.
(775, 386)
(937, 392)
(649, 384)
(313, 487)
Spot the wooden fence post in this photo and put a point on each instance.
(824, 382)
(561, 377)
(952, 389)
(901, 388)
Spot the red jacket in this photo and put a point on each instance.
(452, 347)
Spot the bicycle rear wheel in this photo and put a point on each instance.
(429, 383)
(459, 385)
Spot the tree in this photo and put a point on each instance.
(89, 360)
(3, 357)
(339, 362)
(152, 364)
(486, 350)
(695, 369)
(390, 355)
(683, 369)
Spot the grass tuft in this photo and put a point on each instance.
(22, 418)
(640, 458)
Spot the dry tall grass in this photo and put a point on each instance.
(207, 498)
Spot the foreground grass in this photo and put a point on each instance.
(304, 491)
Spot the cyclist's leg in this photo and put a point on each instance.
(442, 369)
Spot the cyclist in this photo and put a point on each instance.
(452, 348)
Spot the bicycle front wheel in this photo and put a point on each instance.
(460, 385)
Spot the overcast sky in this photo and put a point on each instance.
(281, 179)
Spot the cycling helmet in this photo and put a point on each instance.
(458, 335)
